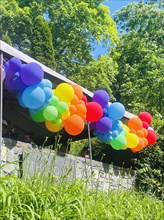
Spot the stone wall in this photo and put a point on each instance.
(102, 175)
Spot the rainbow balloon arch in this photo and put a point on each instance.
(66, 107)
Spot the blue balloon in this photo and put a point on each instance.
(102, 137)
(42, 84)
(101, 97)
(33, 97)
(48, 83)
(48, 93)
(116, 111)
(19, 97)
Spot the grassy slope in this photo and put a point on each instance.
(50, 198)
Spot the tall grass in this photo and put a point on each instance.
(49, 197)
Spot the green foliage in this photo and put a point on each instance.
(140, 81)
(140, 57)
(52, 198)
(98, 74)
(41, 43)
(150, 164)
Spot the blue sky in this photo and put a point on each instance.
(113, 5)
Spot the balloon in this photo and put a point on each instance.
(151, 137)
(126, 128)
(140, 133)
(64, 92)
(133, 131)
(74, 125)
(62, 107)
(57, 121)
(139, 147)
(75, 100)
(15, 64)
(50, 113)
(31, 74)
(53, 127)
(116, 111)
(145, 142)
(42, 84)
(38, 116)
(119, 142)
(54, 100)
(101, 97)
(144, 131)
(84, 98)
(145, 116)
(48, 93)
(18, 84)
(33, 97)
(19, 97)
(48, 83)
(103, 137)
(81, 110)
(135, 123)
(132, 140)
(3, 74)
(65, 115)
(145, 124)
(72, 109)
(94, 111)
(77, 91)
(104, 125)
(7, 69)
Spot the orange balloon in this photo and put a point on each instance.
(139, 147)
(133, 131)
(140, 133)
(81, 102)
(81, 110)
(75, 100)
(74, 125)
(72, 109)
(135, 123)
(77, 90)
(144, 131)
(53, 127)
(145, 142)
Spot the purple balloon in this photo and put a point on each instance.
(104, 125)
(101, 97)
(33, 97)
(18, 84)
(32, 74)
(9, 85)
(15, 64)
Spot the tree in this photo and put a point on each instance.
(140, 57)
(140, 81)
(41, 43)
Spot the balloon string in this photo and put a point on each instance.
(90, 147)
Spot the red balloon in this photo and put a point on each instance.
(145, 116)
(151, 137)
(74, 125)
(94, 111)
(145, 124)
(84, 98)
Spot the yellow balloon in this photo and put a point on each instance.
(64, 92)
(126, 128)
(132, 140)
(65, 115)
(53, 127)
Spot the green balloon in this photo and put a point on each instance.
(57, 121)
(119, 142)
(62, 107)
(54, 100)
(38, 116)
(50, 113)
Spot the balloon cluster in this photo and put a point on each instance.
(66, 107)
(109, 129)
